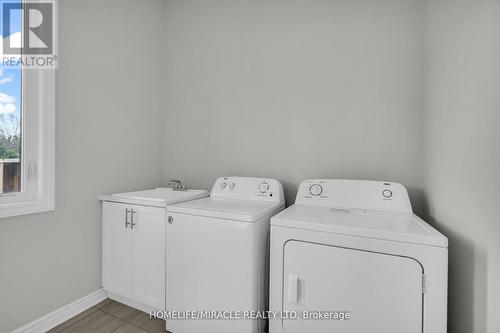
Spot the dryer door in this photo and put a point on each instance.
(382, 293)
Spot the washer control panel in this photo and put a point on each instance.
(264, 187)
(248, 188)
(354, 194)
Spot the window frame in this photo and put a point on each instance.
(37, 158)
(38, 147)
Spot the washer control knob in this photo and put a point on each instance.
(316, 189)
(387, 194)
(231, 186)
(223, 185)
(264, 187)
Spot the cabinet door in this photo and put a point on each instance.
(382, 292)
(148, 256)
(116, 250)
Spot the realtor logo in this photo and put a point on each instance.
(37, 32)
(29, 30)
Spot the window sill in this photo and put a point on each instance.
(25, 208)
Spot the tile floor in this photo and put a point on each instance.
(111, 316)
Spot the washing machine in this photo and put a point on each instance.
(217, 257)
(350, 256)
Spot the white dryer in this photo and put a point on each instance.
(217, 256)
(355, 248)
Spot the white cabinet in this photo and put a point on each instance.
(148, 256)
(116, 249)
(133, 262)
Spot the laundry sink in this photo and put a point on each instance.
(158, 197)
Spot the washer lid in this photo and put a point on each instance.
(361, 223)
(229, 209)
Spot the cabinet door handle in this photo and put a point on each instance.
(132, 224)
(127, 211)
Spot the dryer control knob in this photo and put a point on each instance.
(223, 185)
(316, 189)
(264, 187)
(232, 185)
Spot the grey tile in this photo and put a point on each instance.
(119, 310)
(152, 325)
(129, 328)
(97, 322)
(73, 320)
(103, 303)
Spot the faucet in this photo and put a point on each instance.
(176, 185)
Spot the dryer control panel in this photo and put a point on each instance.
(248, 188)
(355, 194)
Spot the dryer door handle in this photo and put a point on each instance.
(293, 289)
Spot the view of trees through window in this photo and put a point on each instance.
(10, 130)
(10, 138)
(10, 117)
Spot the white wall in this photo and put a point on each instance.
(108, 139)
(463, 156)
(293, 90)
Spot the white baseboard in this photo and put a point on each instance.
(51, 320)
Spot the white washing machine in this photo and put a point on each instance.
(217, 256)
(354, 249)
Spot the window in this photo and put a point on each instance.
(26, 120)
(10, 130)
